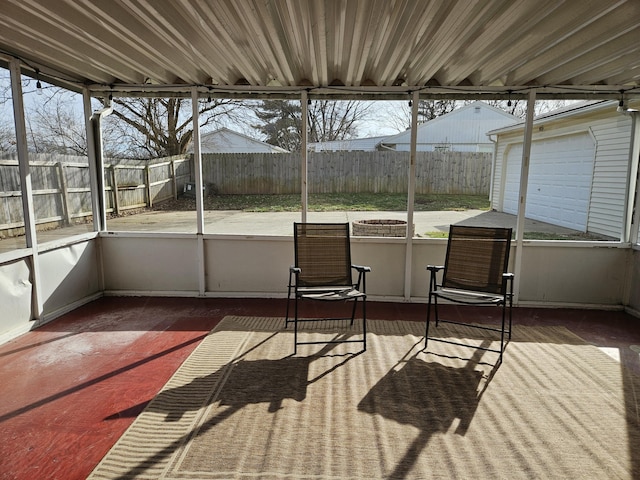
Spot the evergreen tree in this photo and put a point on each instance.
(281, 123)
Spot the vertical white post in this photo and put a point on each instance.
(411, 190)
(91, 154)
(632, 198)
(197, 165)
(97, 189)
(25, 183)
(522, 197)
(197, 160)
(304, 192)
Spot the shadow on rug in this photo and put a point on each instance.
(241, 406)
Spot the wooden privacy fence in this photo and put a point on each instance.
(461, 173)
(148, 183)
(62, 189)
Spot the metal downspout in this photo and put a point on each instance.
(96, 156)
(493, 169)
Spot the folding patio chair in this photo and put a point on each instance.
(474, 273)
(323, 271)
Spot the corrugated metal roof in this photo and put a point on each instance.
(328, 47)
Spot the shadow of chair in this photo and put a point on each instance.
(432, 397)
(474, 273)
(323, 272)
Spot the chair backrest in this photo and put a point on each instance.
(476, 258)
(323, 254)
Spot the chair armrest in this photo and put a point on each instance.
(361, 284)
(507, 284)
(361, 268)
(433, 271)
(295, 270)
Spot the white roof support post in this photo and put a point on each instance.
(197, 166)
(91, 154)
(95, 146)
(632, 196)
(25, 183)
(522, 197)
(411, 190)
(304, 193)
(96, 180)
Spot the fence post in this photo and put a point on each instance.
(147, 184)
(116, 200)
(66, 211)
(172, 172)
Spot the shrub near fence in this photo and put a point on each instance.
(460, 173)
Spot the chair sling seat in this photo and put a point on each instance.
(322, 293)
(468, 296)
(474, 273)
(323, 271)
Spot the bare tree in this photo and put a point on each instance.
(7, 134)
(56, 126)
(161, 127)
(430, 109)
(518, 107)
(327, 121)
(7, 129)
(335, 120)
(397, 115)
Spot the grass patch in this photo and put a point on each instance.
(336, 202)
(534, 236)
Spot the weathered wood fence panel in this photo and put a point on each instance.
(348, 172)
(62, 194)
(62, 188)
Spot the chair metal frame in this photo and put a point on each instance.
(474, 273)
(323, 271)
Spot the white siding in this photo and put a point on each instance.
(224, 140)
(559, 191)
(611, 133)
(606, 211)
(463, 130)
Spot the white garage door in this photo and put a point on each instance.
(560, 174)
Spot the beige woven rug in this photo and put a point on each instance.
(242, 407)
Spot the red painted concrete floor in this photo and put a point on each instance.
(72, 387)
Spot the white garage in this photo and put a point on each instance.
(560, 178)
(581, 159)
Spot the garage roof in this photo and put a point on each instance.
(330, 48)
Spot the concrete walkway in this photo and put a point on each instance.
(281, 223)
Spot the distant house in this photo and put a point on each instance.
(462, 130)
(367, 144)
(225, 140)
(579, 167)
